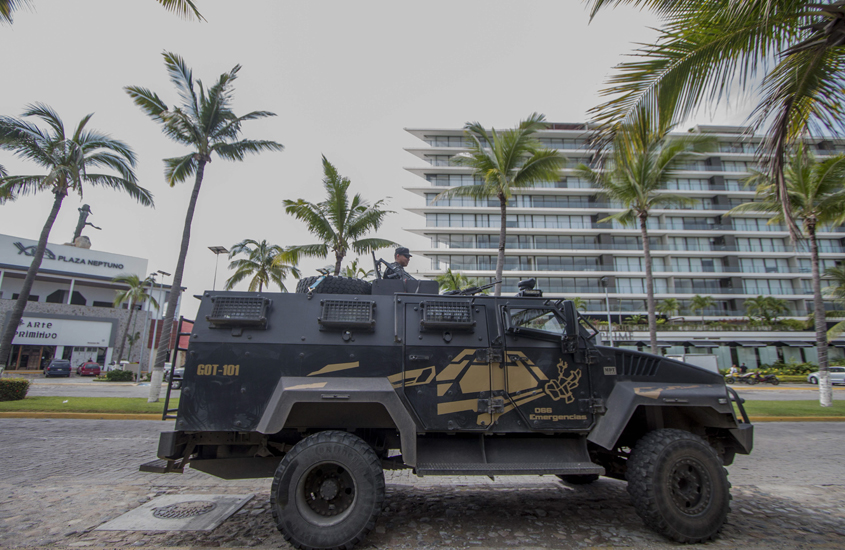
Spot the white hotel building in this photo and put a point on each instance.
(71, 313)
(554, 235)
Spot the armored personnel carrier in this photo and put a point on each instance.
(322, 390)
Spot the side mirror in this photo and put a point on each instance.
(569, 340)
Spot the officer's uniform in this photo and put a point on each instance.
(397, 268)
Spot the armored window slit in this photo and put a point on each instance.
(453, 315)
(239, 311)
(356, 314)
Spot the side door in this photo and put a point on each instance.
(447, 363)
(547, 387)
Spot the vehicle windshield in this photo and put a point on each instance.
(543, 320)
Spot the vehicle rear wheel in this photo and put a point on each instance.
(334, 285)
(678, 485)
(579, 479)
(751, 381)
(775, 381)
(729, 380)
(176, 384)
(814, 380)
(328, 491)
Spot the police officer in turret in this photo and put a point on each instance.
(401, 258)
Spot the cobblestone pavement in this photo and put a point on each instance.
(62, 478)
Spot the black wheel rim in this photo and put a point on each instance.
(326, 494)
(690, 486)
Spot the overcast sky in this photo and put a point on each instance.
(344, 77)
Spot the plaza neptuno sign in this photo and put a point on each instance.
(18, 252)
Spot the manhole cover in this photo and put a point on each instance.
(184, 509)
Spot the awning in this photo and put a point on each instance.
(753, 344)
(801, 344)
(659, 344)
(703, 343)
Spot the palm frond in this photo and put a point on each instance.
(178, 169)
(239, 150)
(183, 8)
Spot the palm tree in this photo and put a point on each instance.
(579, 303)
(816, 194)
(701, 303)
(635, 319)
(668, 307)
(338, 222)
(504, 161)
(766, 308)
(69, 161)
(355, 271)
(835, 292)
(638, 169)
(265, 263)
(184, 8)
(135, 293)
(132, 339)
(454, 280)
(205, 123)
(705, 46)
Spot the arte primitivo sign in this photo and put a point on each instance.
(37, 331)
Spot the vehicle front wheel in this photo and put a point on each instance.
(328, 491)
(729, 380)
(678, 485)
(176, 384)
(814, 380)
(775, 381)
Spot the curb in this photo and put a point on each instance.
(796, 418)
(80, 415)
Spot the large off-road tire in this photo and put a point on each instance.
(327, 491)
(579, 479)
(678, 485)
(334, 285)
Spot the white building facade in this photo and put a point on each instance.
(554, 236)
(71, 313)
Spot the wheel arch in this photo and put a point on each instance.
(634, 409)
(340, 403)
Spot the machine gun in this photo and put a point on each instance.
(389, 272)
(470, 290)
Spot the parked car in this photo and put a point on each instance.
(88, 368)
(57, 367)
(178, 373)
(837, 376)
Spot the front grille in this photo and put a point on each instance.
(636, 364)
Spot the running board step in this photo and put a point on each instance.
(484, 469)
(161, 466)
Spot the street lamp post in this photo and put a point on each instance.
(218, 250)
(155, 323)
(604, 283)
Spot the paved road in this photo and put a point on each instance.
(785, 392)
(62, 478)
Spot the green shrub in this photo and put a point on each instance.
(13, 389)
(120, 376)
(793, 324)
(788, 368)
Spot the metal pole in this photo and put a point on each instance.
(216, 263)
(609, 324)
(155, 326)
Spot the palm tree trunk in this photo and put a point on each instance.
(17, 311)
(649, 285)
(503, 232)
(126, 331)
(175, 291)
(338, 260)
(825, 388)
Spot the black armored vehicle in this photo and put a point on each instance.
(323, 389)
